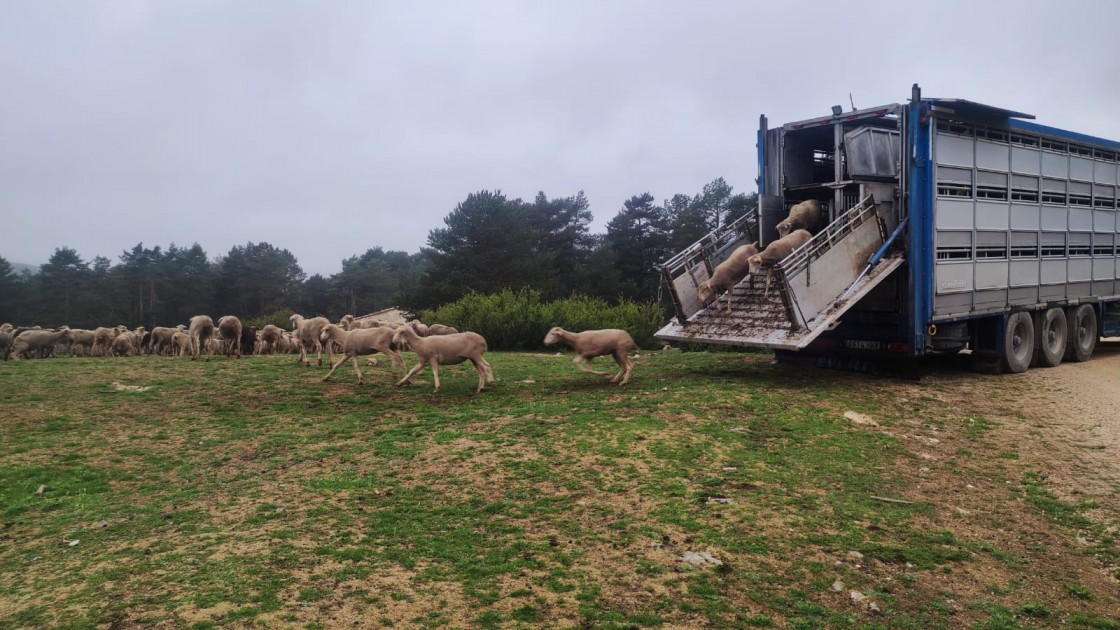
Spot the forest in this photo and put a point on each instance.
(470, 253)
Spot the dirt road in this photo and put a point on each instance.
(1073, 412)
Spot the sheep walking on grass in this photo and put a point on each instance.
(596, 343)
(308, 332)
(361, 341)
(445, 350)
(726, 275)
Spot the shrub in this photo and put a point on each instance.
(518, 320)
(280, 318)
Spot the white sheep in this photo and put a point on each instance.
(180, 343)
(124, 344)
(727, 274)
(440, 329)
(201, 329)
(308, 332)
(229, 327)
(803, 216)
(445, 350)
(776, 252)
(82, 340)
(362, 341)
(596, 343)
(26, 344)
(160, 341)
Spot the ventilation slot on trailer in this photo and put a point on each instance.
(1053, 245)
(1080, 194)
(991, 246)
(954, 182)
(1054, 191)
(1024, 245)
(1024, 188)
(991, 186)
(954, 246)
(1079, 244)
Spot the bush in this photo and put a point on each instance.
(280, 319)
(519, 320)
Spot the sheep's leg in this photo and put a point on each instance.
(483, 373)
(356, 370)
(435, 374)
(489, 370)
(625, 367)
(413, 371)
(396, 359)
(767, 293)
(341, 361)
(586, 367)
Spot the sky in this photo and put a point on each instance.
(329, 128)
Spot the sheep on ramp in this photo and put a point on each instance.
(445, 350)
(776, 252)
(361, 341)
(596, 343)
(726, 275)
(803, 216)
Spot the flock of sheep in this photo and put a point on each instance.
(433, 345)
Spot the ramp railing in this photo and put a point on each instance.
(686, 271)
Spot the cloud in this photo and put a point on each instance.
(327, 129)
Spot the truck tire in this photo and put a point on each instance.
(1018, 343)
(1082, 335)
(1050, 337)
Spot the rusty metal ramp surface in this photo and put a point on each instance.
(761, 320)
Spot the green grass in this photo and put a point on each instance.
(237, 492)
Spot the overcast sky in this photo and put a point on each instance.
(328, 128)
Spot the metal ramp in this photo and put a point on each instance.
(809, 290)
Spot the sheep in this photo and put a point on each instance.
(440, 329)
(445, 350)
(804, 216)
(81, 340)
(419, 327)
(124, 344)
(180, 343)
(776, 252)
(229, 328)
(201, 329)
(103, 339)
(30, 342)
(248, 340)
(596, 343)
(6, 338)
(727, 274)
(362, 341)
(271, 336)
(308, 331)
(161, 339)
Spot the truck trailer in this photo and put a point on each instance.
(950, 227)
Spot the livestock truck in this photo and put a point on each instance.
(949, 226)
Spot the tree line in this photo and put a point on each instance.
(488, 243)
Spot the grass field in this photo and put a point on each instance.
(249, 493)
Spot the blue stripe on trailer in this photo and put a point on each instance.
(1061, 133)
(920, 214)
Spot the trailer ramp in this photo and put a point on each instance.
(809, 291)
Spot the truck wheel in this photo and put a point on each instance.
(1018, 343)
(1082, 333)
(1051, 334)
